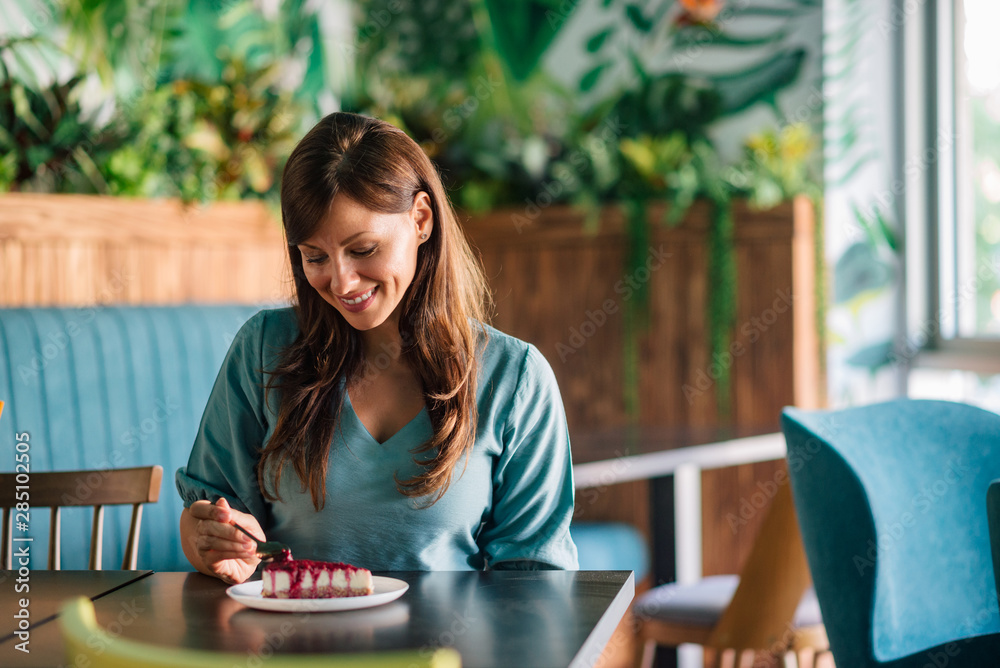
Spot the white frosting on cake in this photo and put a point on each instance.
(331, 580)
(276, 581)
(362, 580)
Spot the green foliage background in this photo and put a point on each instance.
(209, 97)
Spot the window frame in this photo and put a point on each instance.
(929, 54)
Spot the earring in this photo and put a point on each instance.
(423, 236)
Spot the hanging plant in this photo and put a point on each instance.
(632, 132)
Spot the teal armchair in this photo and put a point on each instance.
(993, 514)
(891, 501)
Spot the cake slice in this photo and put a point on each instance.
(303, 578)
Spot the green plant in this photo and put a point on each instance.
(200, 140)
(47, 142)
(189, 123)
(641, 135)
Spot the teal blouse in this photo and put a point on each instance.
(509, 505)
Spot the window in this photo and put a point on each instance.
(977, 163)
(950, 104)
(949, 101)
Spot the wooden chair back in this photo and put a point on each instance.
(772, 582)
(62, 489)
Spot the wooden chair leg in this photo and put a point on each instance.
(766, 659)
(824, 659)
(648, 654)
(726, 658)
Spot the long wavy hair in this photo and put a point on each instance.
(380, 167)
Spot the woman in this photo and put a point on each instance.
(379, 422)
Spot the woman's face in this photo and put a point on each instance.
(361, 261)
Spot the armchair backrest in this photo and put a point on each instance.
(891, 500)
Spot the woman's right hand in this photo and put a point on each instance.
(223, 550)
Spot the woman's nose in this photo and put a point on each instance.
(344, 278)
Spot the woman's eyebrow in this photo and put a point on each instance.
(342, 243)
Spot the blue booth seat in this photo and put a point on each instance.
(113, 387)
(611, 546)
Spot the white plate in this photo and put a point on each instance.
(386, 590)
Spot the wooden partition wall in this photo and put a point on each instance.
(555, 286)
(564, 290)
(79, 250)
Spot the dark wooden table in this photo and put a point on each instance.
(498, 618)
(44, 591)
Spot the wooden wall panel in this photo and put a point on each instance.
(547, 276)
(81, 250)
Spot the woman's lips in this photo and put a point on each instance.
(366, 299)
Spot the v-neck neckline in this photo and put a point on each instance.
(406, 427)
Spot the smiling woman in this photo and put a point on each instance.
(379, 421)
(378, 256)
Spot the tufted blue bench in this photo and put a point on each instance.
(115, 387)
(611, 546)
(111, 387)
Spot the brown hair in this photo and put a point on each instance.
(381, 168)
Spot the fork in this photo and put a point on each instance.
(268, 550)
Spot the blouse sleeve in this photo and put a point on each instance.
(233, 427)
(528, 525)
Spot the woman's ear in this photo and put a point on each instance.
(423, 216)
